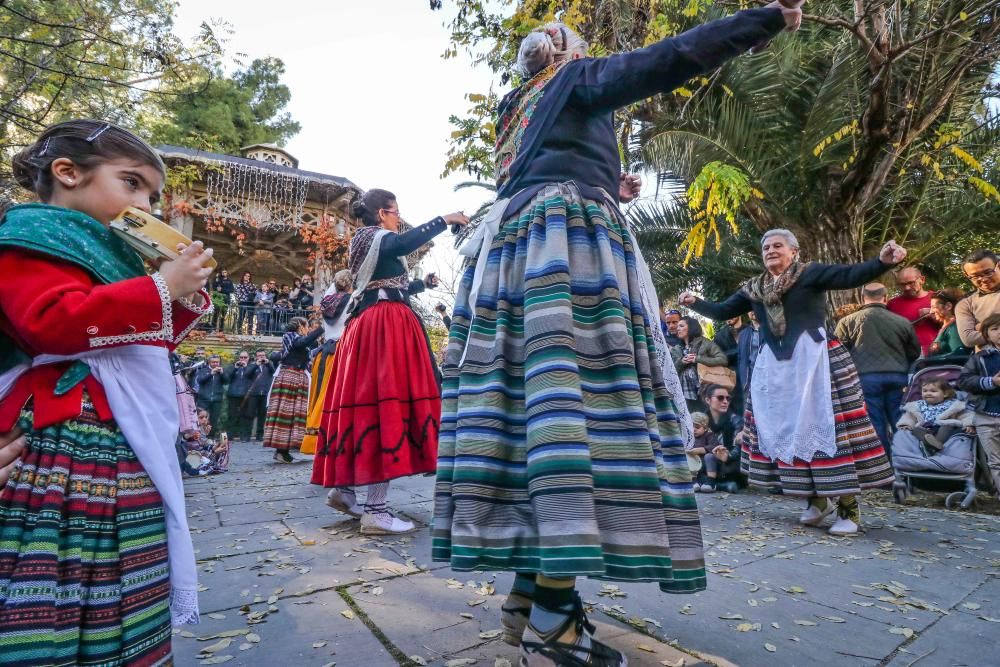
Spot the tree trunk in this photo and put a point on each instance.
(833, 241)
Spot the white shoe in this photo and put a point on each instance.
(843, 527)
(338, 501)
(697, 487)
(813, 516)
(384, 523)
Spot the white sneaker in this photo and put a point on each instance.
(384, 523)
(843, 527)
(338, 501)
(813, 516)
(697, 487)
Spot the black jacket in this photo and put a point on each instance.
(211, 386)
(726, 340)
(240, 378)
(297, 348)
(976, 379)
(804, 302)
(262, 383)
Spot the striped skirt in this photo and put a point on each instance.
(319, 384)
(83, 552)
(285, 426)
(560, 450)
(860, 461)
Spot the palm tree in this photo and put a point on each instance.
(873, 123)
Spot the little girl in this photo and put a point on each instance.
(704, 447)
(95, 553)
(937, 416)
(981, 378)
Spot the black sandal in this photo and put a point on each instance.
(566, 655)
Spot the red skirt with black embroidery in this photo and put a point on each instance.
(382, 410)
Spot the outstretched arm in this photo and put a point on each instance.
(619, 80)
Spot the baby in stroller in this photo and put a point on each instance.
(935, 438)
(937, 416)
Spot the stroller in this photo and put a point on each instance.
(957, 461)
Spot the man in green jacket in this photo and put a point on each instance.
(883, 345)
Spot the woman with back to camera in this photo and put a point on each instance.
(807, 431)
(382, 412)
(563, 423)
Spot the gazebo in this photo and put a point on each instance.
(260, 212)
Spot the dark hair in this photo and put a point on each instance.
(980, 255)
(874, 292)
(694, 327)
(245, 274)
(295, 323)
(88, 143)
(367, 207)
(949, 295)
(941, 384)
(991, 321)
(706, 391)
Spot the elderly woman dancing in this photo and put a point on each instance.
(562, 449)
(807, 431)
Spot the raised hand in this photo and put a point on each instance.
(458, 218)
(686, 299)
(629, 186)
(791, 10)
(892, 253)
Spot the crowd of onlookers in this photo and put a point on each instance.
(889, 337)
(264, 309)
(218, 402)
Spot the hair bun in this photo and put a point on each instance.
(537, 52)
(25, 172)
(358, 208)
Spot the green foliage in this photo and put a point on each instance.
(228, 113)
(61, 59)
(877, 120)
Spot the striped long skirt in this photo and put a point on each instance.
(83, 552)
(860, 461)
(285, 426)
(560, 450)
(319, 384)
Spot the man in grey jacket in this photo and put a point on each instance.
(883, 345)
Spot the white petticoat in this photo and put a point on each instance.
(793, 402)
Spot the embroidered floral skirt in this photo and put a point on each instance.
(83, 552)
(381, 413)
(319, 384)
(860, 461)
(285, 426)
(561, 452)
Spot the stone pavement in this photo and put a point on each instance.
(288, 581)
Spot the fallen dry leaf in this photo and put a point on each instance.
(216, 660)
(348, 614)
(971, 605)
(501, 662)
(490, 634)
(771, 648)
(732, 617)
(253, 638)
(646, 648)
(805, 623)
(246, 646)
(319, 644)
(220, 645)
(217, 617)
(418, 660)
(460, 662)
(906, 632)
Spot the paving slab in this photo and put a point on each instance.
(311, 633)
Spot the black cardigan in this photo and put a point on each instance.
(390, 264)
(805, 302)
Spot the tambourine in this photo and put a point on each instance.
(150, 237)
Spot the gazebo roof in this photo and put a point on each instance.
(318, 183)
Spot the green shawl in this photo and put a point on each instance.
(69, 236)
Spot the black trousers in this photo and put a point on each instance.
(256, 409)
(238, 423)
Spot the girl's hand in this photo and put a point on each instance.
(689, 358)
(721, 453)
(188, 273)
(12, 443)
(457, 218)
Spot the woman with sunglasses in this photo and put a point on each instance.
(727, 425)
(382, 411)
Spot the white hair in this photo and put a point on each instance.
(792, 241)
(550, 43)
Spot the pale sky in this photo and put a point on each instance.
(370, 89)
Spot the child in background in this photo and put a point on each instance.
(703, 446)
(95, 552)
(981, 377)
(937, 416)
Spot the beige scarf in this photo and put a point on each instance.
(769, 290)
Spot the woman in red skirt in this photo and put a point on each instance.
(381, 414)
